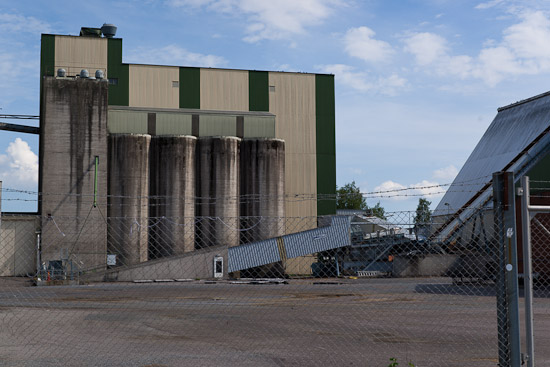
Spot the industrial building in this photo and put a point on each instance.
(518, 141)
(138, 152)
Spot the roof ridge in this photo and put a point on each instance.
(523, 101)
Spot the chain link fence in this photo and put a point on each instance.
(175, 291)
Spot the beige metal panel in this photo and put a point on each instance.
(130, 122)
(153, 86)
(259, 127)
(301, 190)
(217, 125)
(174, 124)
(76, 53)
(293, 103)
(300, 265)
(224, 90)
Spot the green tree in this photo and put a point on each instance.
(349, 197)
(378, 211)
(422, 218)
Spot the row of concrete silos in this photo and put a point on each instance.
(173, 194)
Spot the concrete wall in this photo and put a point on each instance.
(74, 132)
(193, 265)
(18, 245)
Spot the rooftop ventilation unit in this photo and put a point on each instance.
(99, 74)
(108, 30)
(90, 32)
(61, 73)
(84, 74)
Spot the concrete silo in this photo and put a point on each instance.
(128, 197)
(217, 191)
(172, 191)
(262, 171)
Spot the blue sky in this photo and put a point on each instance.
(417, 82)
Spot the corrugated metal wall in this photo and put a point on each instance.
(153, 86)
(259, 127)
(174, 124)
(224, 90)
(293, 102)
(179, 122)
(76, 53)
(213, 125)
(291, 246)
(126, 122)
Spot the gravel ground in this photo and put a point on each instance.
(350, 322)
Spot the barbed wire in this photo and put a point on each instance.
(367, 194)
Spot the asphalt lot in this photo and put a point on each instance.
(361, 322)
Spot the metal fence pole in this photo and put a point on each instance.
(527, 272)
(509, 341)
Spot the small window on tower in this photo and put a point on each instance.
(272, 88)
(175, 84)
(113, 81)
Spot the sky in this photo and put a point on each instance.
(417, 81)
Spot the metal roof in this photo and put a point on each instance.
(513, 132)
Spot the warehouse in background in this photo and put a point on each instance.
(113, 134)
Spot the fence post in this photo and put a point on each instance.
(527, 271)
(507, 273)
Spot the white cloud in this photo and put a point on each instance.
(19, 167)
(446, 174)
(15, 23)
(521, 51)
(173, 55)
(269, 19)
(489, 4)
(391, 190)
(426, 47)
(363, 82)
(426, 188)
(359, 42)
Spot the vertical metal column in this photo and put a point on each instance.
(507, 276)
(527, 271)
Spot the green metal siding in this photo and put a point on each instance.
(539, 172)
(325, 144)
(259, 127)
(190, 87)
(258, 89)
(217, 125)
(174, 124)
(47, 56)
(127, 122)
(119, 95)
